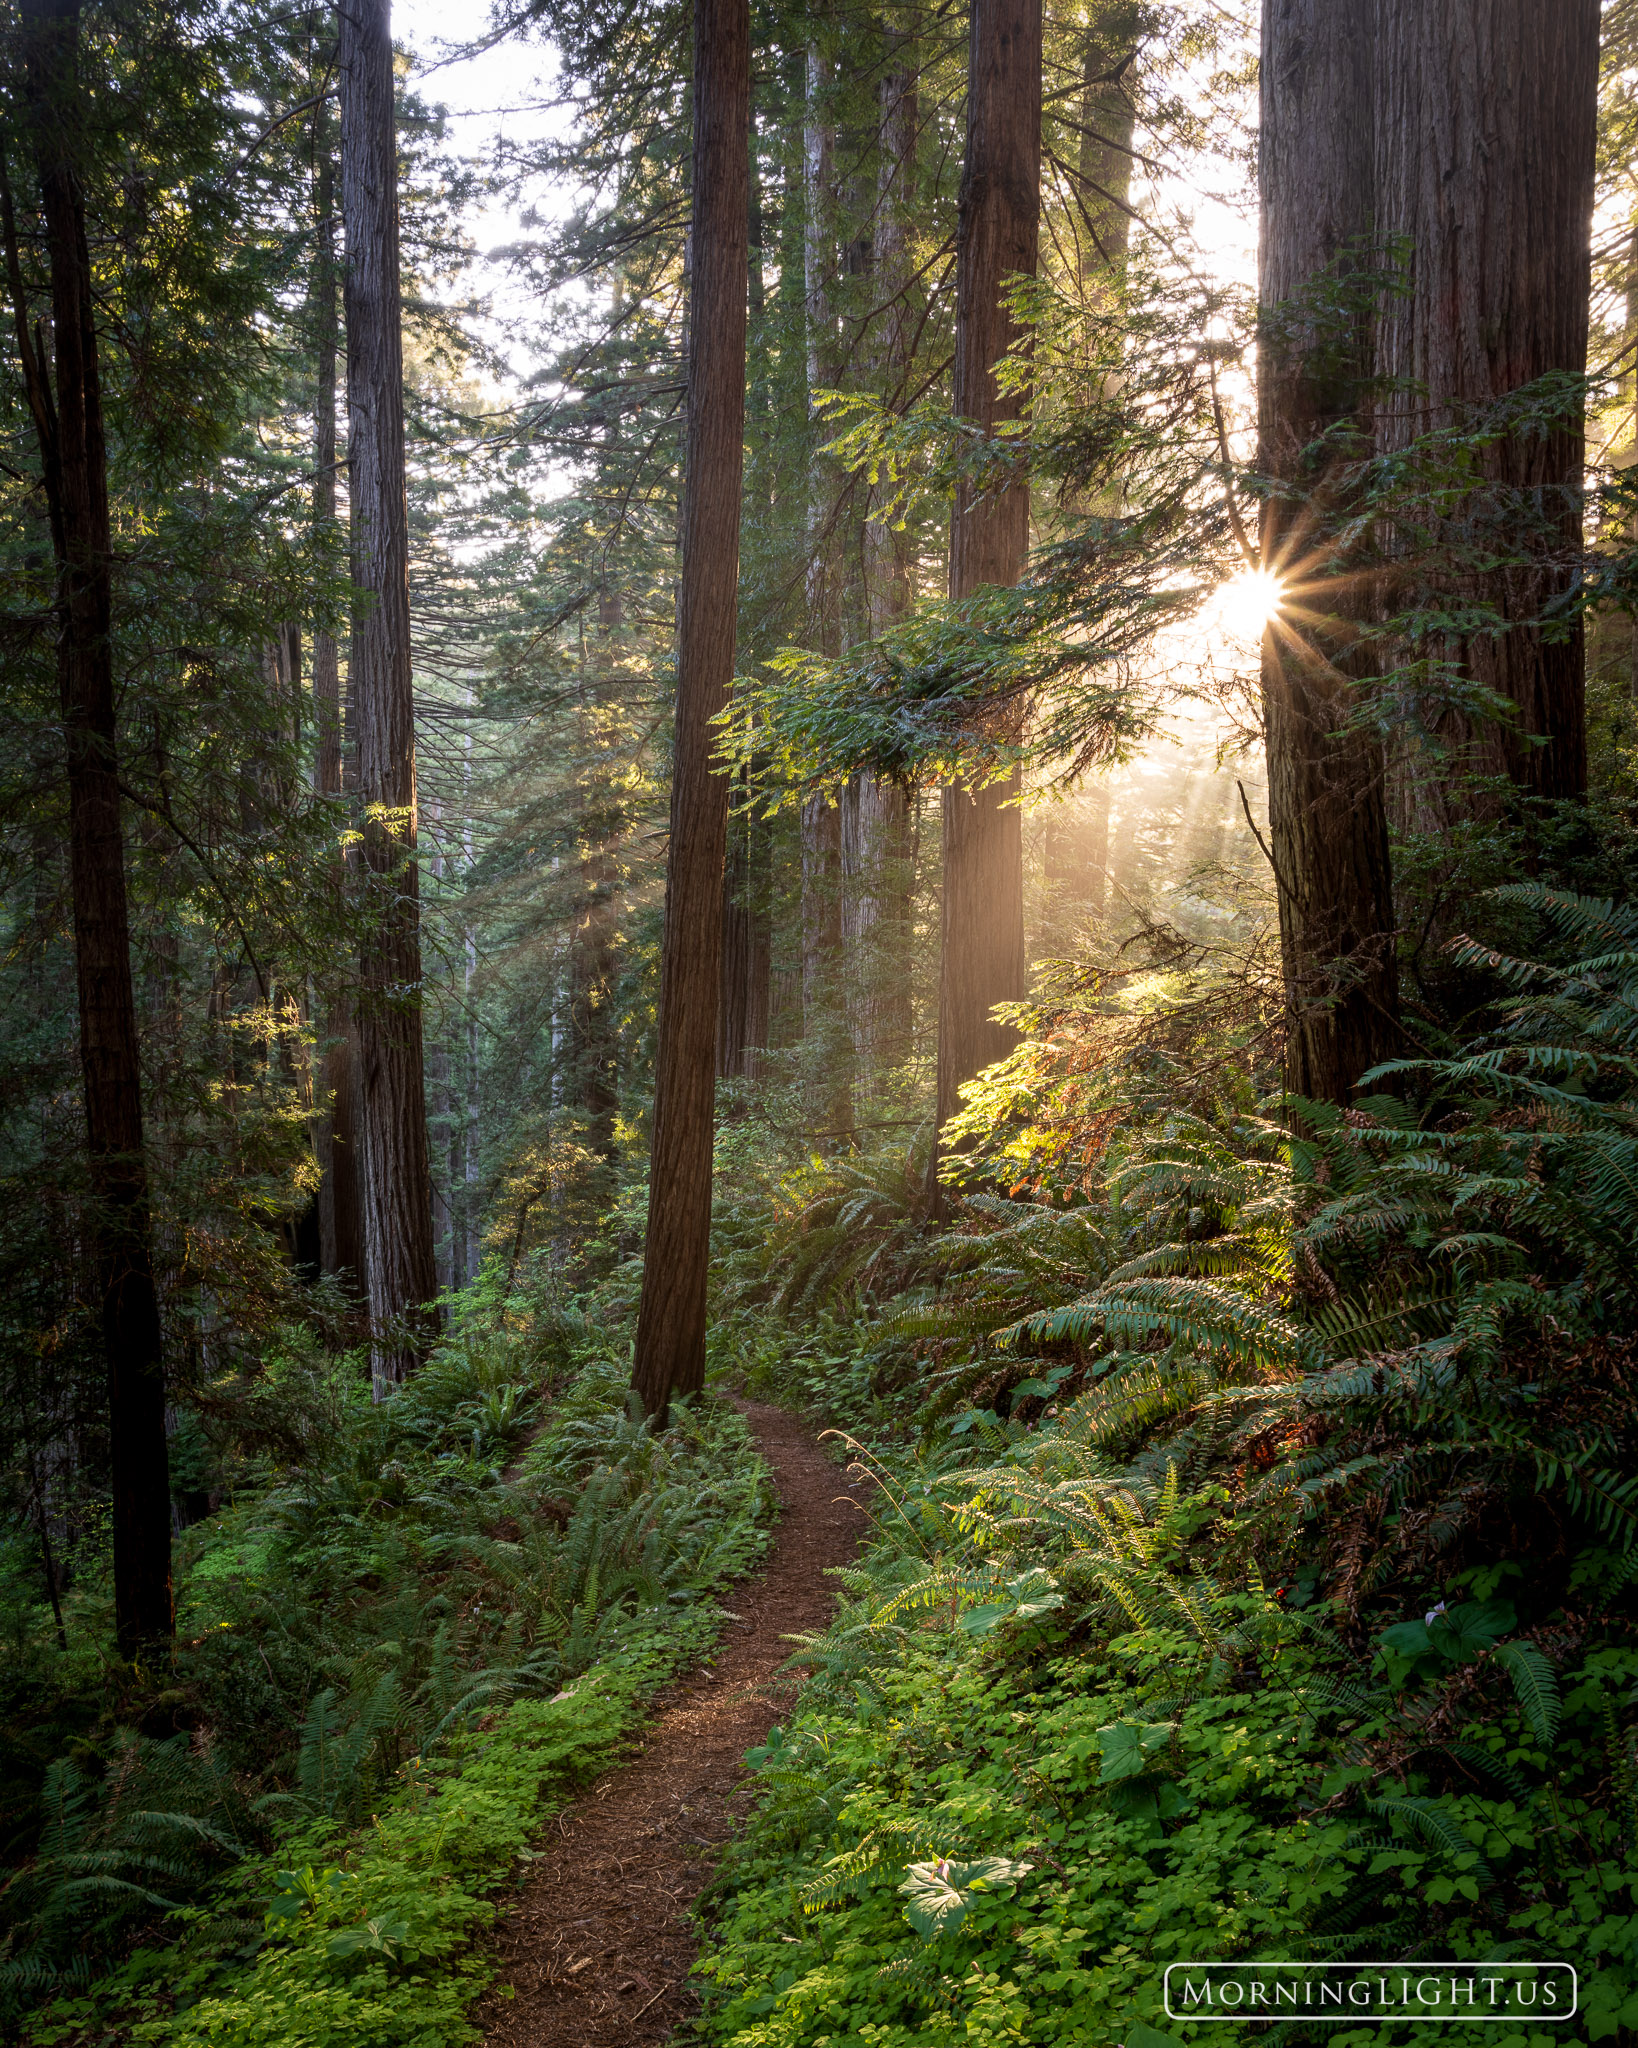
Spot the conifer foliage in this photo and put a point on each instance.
(954, 742)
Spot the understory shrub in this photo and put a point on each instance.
(1262, 1586)
(394, 1643)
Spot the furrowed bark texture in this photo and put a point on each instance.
(400, 1274)
(983, 960)
(1326, 786)
(341, 1245)
(1486, 127)
(70, 430)
(670, 1349)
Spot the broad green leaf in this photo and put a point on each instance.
(1465, 1632)
(939, 1893)
(1140, 2036)
(1128, 1745)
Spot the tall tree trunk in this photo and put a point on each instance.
(823, 1023)
(593, 971)
(669, 1356)
(1077, 833)
(1326, 784)
(440, 1102)
(400, 1274)
(875, 849)
(471, 1150)
(69, 426)
(742, 1029)
(1103, 169)
(341, 1246)
(1486, 127)
(594, 960)
(983, 961)
(1629, 399)
(746, 951)
(875, 821)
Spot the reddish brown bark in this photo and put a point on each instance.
(670, 1349)
(1486, 123)
(983, 961)
(1326, 784)
(69, 428)
(400, 1271)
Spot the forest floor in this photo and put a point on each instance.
(598, 1947)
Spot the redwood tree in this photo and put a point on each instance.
(670, 1349)
(400, 1269)
(68, 420)
(1326, 798)
(1486, 125)
(341, 1248)
(983, 960)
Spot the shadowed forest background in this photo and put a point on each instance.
(956, 742)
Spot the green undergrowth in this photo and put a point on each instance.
(1014, 1792)
(366, 1936)
(403, 1644)
(1256, 1573)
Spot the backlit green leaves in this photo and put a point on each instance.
(940, 1893)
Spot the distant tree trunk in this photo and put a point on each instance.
(471, 1149)
(818, 268)
(440, 1101)
(400, 1275)
(875, 936)
(875, 820)
(746, 951)
(669, 1356)
(823, 1020)
(983, 960)
(821, 826)
(69, 427)
(1077, 833)
(593, 971)
(1629, 395)
(594, 959)
(1326, 785)
(1107, 117)
(341, 1248)
(1486, 128)
(1076, 854)
(742, 1029)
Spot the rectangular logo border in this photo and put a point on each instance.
(1396, 2018)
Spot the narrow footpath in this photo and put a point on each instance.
(598, 1947)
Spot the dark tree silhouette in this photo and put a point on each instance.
(68, 423)
(670, 1349)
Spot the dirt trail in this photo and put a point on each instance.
(599, 1945)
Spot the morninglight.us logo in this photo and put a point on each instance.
(1371, 1991)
